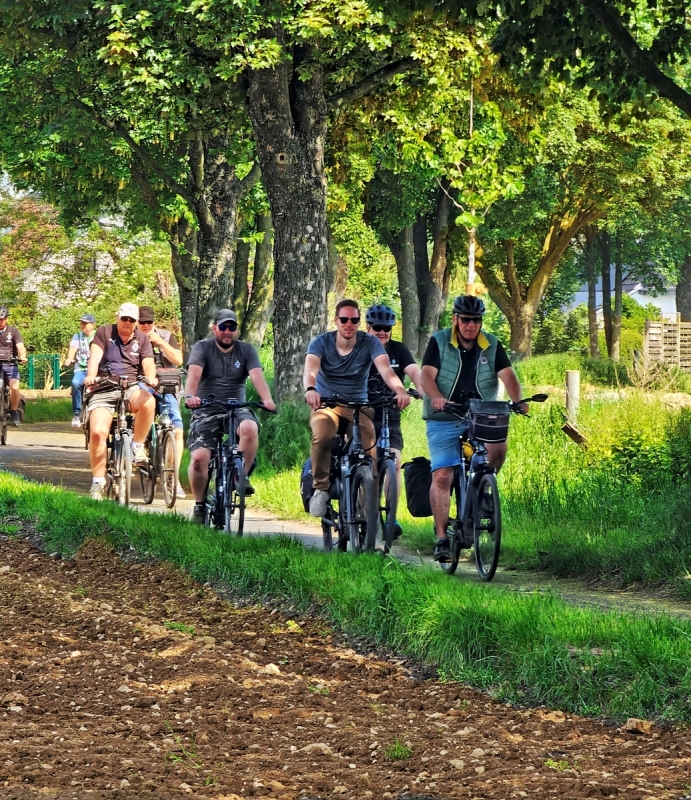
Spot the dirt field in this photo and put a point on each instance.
(121, 679)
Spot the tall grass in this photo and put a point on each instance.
(526, 648)
(45, 410)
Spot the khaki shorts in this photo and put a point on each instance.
(108, 398)
(204, 428)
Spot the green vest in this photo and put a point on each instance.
(486, 381)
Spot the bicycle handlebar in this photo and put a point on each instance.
(232, 403)
(462, 408)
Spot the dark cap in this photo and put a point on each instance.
(225, 315)
(87, 318)
(146, 314)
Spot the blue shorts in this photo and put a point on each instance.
(11, 372)
(172, 406)
(444, 447)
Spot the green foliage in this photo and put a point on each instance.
(44, 410)
(559, 332)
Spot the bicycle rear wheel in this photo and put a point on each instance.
(486, 526)
(213, 501)
(454, 531)
(125, 470)
(167, 463)
(365, 521)
(327, 529)
(147, 473)
(234, 506)
(3, 416)
(388, 501)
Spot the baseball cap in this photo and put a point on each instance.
(225, 315)
(129, 310)
(146, 314)
(87, 318)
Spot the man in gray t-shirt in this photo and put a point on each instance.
(220, 365)
(338, 363)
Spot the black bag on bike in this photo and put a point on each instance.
(418, 480)
(488, 420)
(169, 380)
(306, 490)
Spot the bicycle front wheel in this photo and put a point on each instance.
(234, 518)
(454, 531)
(388, 501)
(486, 526)
(167, 464)
(124, 468)
(365, 513)
(3, 416)
(147, 474)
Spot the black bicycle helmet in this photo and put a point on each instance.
(467, 304)
(380, 315)
(4, 312)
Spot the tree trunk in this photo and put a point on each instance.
(288, 113)
(240, 292)
(183, 256)
(521, 324)
(590, 234)
(421, 262)
(618, 301)
(438, 267)
(402, 245)
(606, 258)
(684, 290)
(260, 307)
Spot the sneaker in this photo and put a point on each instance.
(249, 489)
(76, 421)
(442, 551)
(318, 503)
(199, 513)
(97, 491)
(139, 454)
(14, 418)
(397, 530)
(180, 493)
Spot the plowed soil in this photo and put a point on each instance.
(122, 679)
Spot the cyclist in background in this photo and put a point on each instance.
(220, 365)
(119, 351)
(380, 320)
(11, 346)
(78, 354)
(167, 355)
(338, 364)
(460, 361)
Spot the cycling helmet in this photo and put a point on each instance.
(467, 304)
(380, 315)
(4, 312)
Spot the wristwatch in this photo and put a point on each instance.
(311, 389)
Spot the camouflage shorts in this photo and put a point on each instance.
(204, 428)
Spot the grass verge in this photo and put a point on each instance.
(44, 410)
(520, 648)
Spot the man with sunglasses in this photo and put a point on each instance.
(338, 363)
(220, 365)
(459, 360)
(168, 357)
(119, 351)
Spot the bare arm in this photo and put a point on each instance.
(194, 374)
(415, 375)
(94, 364)
(21, 351)
(383, 365)
(513, 386)
(149, 370)
(71, 353)
(309, 378)
(262, 387)
(428, 380)
(171, 353)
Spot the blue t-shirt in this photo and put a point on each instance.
(345, 376)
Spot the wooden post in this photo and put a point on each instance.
(573, 393)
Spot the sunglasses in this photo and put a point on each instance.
(352, 320)
(145, 323)
(380, 328)
(471, 320)
(128, 319)
(227, 326)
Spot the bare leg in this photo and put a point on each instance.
(15, 394)
(100, 420)
(179, 447)
(198, 472)
(143, 407)
(496, 455)
(440, 499)
(248, 441)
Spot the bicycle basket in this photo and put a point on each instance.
(488, 420)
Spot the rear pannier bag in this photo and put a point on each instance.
(169, 380)
(418, 480)
(488, 420)
(306, 489)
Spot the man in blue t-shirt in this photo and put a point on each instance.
(78, 354)
(338, 363)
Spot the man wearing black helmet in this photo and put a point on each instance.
(11, 346)
(459, 360)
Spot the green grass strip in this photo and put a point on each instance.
(520, 648)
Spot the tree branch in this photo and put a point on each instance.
(251, 178)
(638, 58)
(370, 83)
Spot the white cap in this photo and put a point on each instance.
(129, 310)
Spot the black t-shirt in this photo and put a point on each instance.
(121, 358)
(469, 358)
(10, 337)
(401, 358)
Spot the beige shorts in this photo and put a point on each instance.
(108, 398)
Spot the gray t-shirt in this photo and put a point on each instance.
(223, 374)
(345, 376)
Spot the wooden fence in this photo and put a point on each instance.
(668, 341)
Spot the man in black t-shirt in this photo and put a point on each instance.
(220, 365)
(380, 320)
(119, 351)
(11, 346)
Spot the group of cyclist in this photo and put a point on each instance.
(348, 363)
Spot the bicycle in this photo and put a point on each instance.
(5, 417)
(356, 519)
(225, 489)
(118, 446)
(162, 449)
(476, 523)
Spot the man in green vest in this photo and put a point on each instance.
(460, 362)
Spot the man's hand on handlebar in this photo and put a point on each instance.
(192, 401)
(269, 405)
(438, 403)
(89, 381)
(402, 399)
(313, 399)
